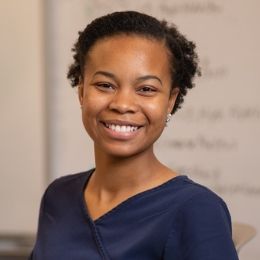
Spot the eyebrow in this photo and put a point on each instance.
(141, 78)
(105, 73)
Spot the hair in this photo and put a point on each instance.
(183, 58)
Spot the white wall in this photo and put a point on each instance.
(22, 152)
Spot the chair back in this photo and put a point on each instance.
(241, 234)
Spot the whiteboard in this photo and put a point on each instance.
(214, 138)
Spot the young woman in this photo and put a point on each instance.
(132, 72)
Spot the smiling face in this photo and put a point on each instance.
(125, 95)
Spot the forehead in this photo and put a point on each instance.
(136, 51)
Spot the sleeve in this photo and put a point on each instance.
(202, 231)
(40, 221)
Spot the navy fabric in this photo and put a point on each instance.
(178, 220)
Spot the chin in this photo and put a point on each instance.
(124, 152)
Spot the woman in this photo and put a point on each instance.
(132, 72)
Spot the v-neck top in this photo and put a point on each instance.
(177, 220)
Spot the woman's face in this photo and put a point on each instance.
(125, 95)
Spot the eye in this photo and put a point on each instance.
(147, 90)
(105, 86)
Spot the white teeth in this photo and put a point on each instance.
(122, 128)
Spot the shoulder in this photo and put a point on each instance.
(70, 179)
(202, 225)
(188, 194)
(205, 209)
(200, 204)
(62, 193)
(191, 194)
(67, 185)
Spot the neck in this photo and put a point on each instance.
(116, 175)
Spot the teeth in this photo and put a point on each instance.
(122, 128)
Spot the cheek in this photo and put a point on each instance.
(89, 111)
(93, 103)
(156, 111)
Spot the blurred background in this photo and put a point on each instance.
(214, 138)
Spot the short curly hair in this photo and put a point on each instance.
(183, 58)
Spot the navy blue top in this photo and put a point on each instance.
(178, 220)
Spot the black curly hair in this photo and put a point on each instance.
(184, 59)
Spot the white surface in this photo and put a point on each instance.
(215, 137)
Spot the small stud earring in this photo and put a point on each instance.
(168, 119)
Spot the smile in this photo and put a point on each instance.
(121, 128)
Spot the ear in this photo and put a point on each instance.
(80, 94)
(173, 95)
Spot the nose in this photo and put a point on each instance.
(124, 101)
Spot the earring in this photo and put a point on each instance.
(168, 119)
